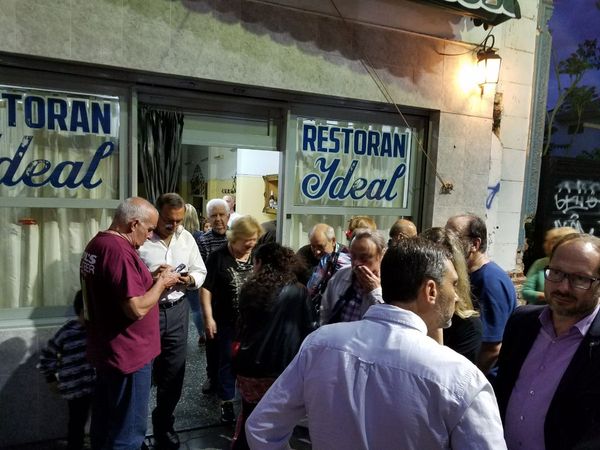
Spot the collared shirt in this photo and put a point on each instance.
(539, 377)
(182, 249)
(379, 383)
(336, 288)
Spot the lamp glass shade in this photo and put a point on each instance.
(488, 67)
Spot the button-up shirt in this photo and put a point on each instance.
(539, 377)
(182, 249)
(379, 383)
(336, 289)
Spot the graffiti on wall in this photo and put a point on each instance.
(577, 205)
(492, 191)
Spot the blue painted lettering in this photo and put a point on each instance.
(399, 145)
(360, 142)
(70, 170)
(34, 112)
(12, 108)
(79, 117)
(347, 132)
(386, 144)
(339, 186)
(59, 116)
(334, 139)
(321, 139)
(314, 186)
(101, 117)
(326, 139)
(309, 135)
(103, 152)
(357, 187)
(30, 172)
(373, 147)
(64, 174)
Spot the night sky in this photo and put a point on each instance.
(573, 21)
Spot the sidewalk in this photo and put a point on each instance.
(215, 437)
(196, 417)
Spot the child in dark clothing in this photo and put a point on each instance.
(64, 364)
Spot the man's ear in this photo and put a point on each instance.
(429, 291)
(475, 244)
(131, 225)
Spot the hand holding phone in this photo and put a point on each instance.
(181, 269)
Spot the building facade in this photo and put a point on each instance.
(306, 111)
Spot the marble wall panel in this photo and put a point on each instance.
(43, 29)
(513, 164)
(8, 24)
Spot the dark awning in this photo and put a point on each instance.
(492, 12)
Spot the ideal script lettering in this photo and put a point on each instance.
(334, 180)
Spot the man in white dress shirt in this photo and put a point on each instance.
(171, 247)
(381, 382)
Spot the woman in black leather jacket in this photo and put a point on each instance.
(275, 317)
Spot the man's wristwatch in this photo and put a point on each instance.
(191, 281)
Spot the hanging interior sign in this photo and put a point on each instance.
(352, 164)
(52, 142)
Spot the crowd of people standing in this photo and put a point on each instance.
(377, 343)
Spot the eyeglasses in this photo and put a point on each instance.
(576, 281)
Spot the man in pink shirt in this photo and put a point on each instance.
(120, 300)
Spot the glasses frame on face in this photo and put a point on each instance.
(575, 281)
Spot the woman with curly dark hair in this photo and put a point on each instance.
(275, 317)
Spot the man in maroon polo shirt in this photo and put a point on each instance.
(120, 300)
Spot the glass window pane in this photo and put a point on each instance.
(352, 164)
(302, 223)
(39, 264)
(58, 144)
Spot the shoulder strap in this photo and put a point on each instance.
(330, 270)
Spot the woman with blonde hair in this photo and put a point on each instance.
(359, 222)
(533, 288)
(192, 224)
(464, 335)
(227, 269)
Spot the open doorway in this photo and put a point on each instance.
(228, 155)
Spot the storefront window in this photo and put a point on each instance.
(346, 164)
(41, 252)
(341, 168)
(59, 181)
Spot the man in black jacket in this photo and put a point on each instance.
(549, 366)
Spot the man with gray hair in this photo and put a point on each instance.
(217, 212)
(121, 313)
(354, 288)
(381, 382)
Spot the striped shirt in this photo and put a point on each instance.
(63, 360)
(209, 241)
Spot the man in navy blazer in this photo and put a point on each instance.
(548, 384)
